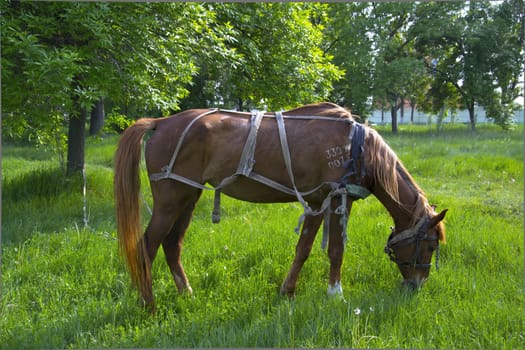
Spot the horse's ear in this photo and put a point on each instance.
(436, 219)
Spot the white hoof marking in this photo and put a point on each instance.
(336, 289)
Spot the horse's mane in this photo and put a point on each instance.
(386, 167)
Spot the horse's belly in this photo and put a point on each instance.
(249, 190)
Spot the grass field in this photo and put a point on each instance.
(65, 286)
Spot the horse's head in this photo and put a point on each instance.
(412, 248)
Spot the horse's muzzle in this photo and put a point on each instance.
(413, 283)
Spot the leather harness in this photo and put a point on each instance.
(354, 165)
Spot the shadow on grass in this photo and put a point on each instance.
(42, 200)
(41, 183)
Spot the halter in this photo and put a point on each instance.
(413, 235)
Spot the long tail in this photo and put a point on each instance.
(127, 188)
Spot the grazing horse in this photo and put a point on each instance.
(316, 154)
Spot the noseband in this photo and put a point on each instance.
(413, 235)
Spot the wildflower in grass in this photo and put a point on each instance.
(357, 311)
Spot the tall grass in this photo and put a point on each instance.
(64, 286)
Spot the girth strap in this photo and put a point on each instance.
(245, 166)
(247, 157)
(288, 162)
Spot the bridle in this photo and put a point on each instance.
(416, 235)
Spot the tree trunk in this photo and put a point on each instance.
(97, 118)
(240, 107)
(472, 117)
(412, 106)
(393, 113)
(76, 142)
(440, 118)
(402, 110)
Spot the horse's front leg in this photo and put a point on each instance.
(302, 251)
(336, 247)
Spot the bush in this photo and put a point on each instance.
(116, 122)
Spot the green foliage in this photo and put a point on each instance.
(352, 49)
(437, 54)
(65, 287)
(60, 58)
(280, 63)
(121, 51)
(116, 122)
(478, 54)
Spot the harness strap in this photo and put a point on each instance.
(246, 165)
(288, 162)
(185, 180)
(340, 210)
(356, 138)
(296, 117)
(281, 187)
(325, 207)
(216, 214)
(415, 234)
(169, 167)
(247, 160)
(409, 233)
(327, 211)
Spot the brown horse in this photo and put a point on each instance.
(316, 154)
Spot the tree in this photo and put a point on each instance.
(282, 63)
(370, 42)
(477, 55)
(398, 74)
(505, 59)
(60, 59)
(347, 37)
(96, 121)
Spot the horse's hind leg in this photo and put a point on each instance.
(169, 201)
(302, 251)
(172, 246)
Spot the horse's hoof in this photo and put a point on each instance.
(335, 290)
(188, 290)
(290, 293)
(149, 307)
(152, 310)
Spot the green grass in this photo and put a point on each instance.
(65, 286)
